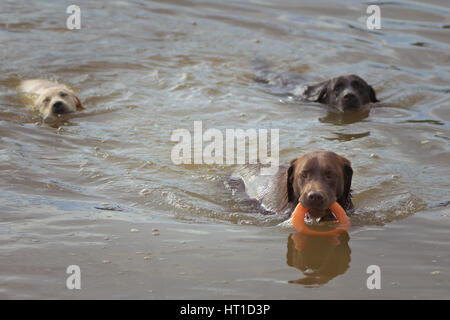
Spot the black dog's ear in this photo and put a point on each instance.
(372, 95)
(344, 201)
(290, 181)
(317, 92)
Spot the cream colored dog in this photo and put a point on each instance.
(51, 99)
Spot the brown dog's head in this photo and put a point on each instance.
(345, 93)
(317, 179)
(57, 101)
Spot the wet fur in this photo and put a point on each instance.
(282, 192)
(51, 99)
(344, 93)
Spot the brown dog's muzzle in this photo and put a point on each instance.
(317, 201)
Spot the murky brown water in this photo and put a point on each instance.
(70, 193)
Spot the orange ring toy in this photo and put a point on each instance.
(298, 220)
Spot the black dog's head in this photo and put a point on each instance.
(346, 93)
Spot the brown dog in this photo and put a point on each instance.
(51, 99)
(316, 179)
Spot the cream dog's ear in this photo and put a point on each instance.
(78, 104)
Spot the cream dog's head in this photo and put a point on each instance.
(57, 101)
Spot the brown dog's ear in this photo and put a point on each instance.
(78, 104)
(317, 92)
(290, 181)
(372, 95)
(348, 174)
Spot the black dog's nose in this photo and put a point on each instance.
(350, 101)
(350, 97)
(315, 197)
(58, 108)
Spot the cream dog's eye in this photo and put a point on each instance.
(62, 94)
(46, 100)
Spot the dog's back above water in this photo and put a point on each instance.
(51, 99)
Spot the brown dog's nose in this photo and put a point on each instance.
(316, 197)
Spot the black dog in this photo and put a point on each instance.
(345, 93)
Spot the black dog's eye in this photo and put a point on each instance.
(62, 94)
(338, 87)
(357, 85)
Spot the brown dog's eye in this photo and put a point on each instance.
(328, 175)
(304, 175)
(62, 94)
